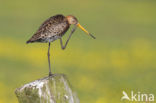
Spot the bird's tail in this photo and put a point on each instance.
(29, 41)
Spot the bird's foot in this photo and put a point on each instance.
(50, 74)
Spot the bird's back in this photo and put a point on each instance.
(52, 29)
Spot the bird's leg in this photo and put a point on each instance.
(63, 47)
(50, 74)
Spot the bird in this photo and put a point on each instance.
(54, 28)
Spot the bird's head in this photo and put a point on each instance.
(73, 20)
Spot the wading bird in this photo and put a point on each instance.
(54, 28)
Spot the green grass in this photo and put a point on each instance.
(121, 58)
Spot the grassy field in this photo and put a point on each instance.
(121, 58)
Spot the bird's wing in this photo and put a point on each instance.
(55, 25)
(51, 21)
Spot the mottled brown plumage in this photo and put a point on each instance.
(52, 29)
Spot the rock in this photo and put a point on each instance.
(53, 89)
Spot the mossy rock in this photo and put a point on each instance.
(51, 89)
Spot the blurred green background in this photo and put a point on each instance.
(123, 57)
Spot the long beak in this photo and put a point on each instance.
(85, 31)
